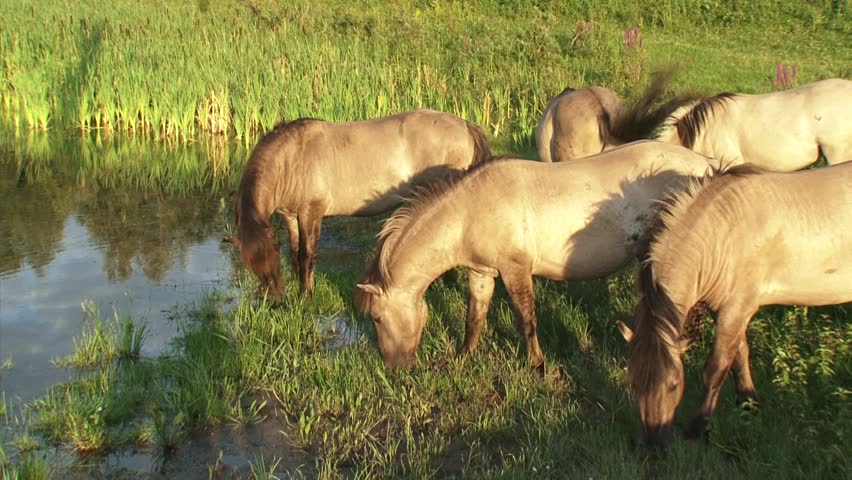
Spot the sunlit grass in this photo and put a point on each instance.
(481, 416)
(236, 68)
(118, 338)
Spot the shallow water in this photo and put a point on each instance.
(221, 451)
(66, 238)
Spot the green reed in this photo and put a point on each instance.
(181, 70)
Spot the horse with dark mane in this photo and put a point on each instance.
(780, 131)
(517, 219)
(586, 121)
(308, 169)
(734, 243)
(576, 123)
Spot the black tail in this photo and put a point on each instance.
(643, 118)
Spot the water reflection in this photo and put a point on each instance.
(67, 235)
(32, 217)
(133, 226)
(150, 231)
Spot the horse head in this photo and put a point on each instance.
(399, 317)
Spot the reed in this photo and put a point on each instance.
(178, 71)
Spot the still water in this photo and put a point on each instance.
(118, 238)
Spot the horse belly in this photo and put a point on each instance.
(825, 290)
(580, 256)
(813, 281)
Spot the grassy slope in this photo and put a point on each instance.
(484, 416)
(180, 69)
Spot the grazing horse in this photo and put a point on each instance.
(734, 243)
(576, 124)
(779, 131)
(513, 218)
(308, 169)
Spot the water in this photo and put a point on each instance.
(74, 233)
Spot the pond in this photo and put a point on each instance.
(87, 221)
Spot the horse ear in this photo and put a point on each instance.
(370, 288)
(626, 332)
(232, 240)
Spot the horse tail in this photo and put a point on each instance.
(481, 149)
(642, 119)
(605, 128)
(657, 328)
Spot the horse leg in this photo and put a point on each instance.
(293, 230)
(481, 291)
(730, 333)
(520, 287)
(742, 374)
(309, 221)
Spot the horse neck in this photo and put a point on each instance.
(274, 177)
(424, 252)
(253, 207)
(690, 263)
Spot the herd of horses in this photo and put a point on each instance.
(705, 190)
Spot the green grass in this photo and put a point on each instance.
(179, 71)
(119, 338)
(485, 416)
(185, 73)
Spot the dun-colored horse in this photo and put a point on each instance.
(308, 169)
(587, 121)
(740, 128)
(513, 218)
(577, 123)
(734, 243)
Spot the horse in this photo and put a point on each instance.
(308, 169)
(576, 124)
(582, 122)
(734, 242)
(780, 131)
(515, 218)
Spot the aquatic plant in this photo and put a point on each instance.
(104, 341)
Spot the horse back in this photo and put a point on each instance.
(779, 238)
(604, 204)
(367, 166)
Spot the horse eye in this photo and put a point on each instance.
(376, 319)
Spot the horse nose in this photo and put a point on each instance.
(657, 436)
(399, 360)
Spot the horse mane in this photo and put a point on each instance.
(421, 198)
(678, 205)
(690, 124)
(657, 329)
(642, 118)
(660, 324)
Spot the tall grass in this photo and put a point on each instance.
(212, 165)
(180, 70)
